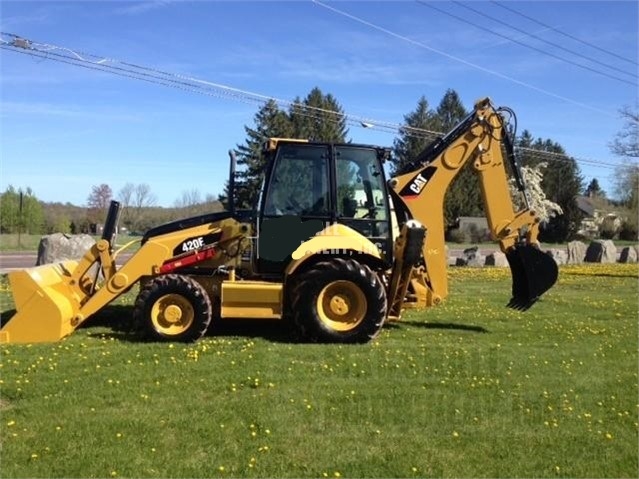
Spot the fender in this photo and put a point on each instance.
(332, 240)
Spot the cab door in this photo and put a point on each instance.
(361, 195)
(296, 204)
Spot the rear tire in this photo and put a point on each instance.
(172, 307)
(338, 301)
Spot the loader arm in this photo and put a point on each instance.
(55, 299)
(477, 140)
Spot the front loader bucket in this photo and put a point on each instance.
(533, 271)
(45, 304)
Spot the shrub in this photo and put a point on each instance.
(478, 235)
(608, 229)
(458, 236)
(629, 230)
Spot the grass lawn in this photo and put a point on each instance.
(467, 389)
(26, 242)
(22, 242)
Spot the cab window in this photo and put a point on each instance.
(299, 182)
(360, 188)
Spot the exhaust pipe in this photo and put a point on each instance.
(231, 188)
(533, 273)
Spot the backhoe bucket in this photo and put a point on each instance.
(533, 271)
(45, 304)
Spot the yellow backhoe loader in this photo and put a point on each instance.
(319, 248)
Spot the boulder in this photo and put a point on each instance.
(576, 252)
(628, 255)
(601, 251)
(59, 247)
(496, 258)
(472, 257)
(559, 255)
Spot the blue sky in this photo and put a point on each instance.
(65, 129)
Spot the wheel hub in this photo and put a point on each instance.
(339, 305)
(173, 314)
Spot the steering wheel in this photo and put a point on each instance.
(292, 204)
(371, 214)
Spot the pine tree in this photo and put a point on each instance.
(463, 197)
(318, 117)
(450, 111)
(594, 190)
(411, 141)
(269, 122)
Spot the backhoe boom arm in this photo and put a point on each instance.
(479, 140)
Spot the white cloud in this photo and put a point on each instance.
(139, 8)
(13, 108)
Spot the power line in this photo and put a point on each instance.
(537, 37)
(551, 155)
(461, 60)
(182, 82)
(203, 87)
(513, 40)
(561, 32)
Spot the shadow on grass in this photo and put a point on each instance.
(114, 322)
(450, 326)
(117, 318)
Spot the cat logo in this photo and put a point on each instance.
(417, 183)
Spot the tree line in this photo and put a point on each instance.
(320, 117)
(139, 210)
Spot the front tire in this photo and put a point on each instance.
(172, 307)
(339, 301)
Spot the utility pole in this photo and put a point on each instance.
(20, 220)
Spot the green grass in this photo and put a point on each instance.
(23, 242)
(28, 242)
(467, 389)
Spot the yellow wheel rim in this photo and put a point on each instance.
(172, 314)
(341, 305)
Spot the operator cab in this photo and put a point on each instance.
(309, 186)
